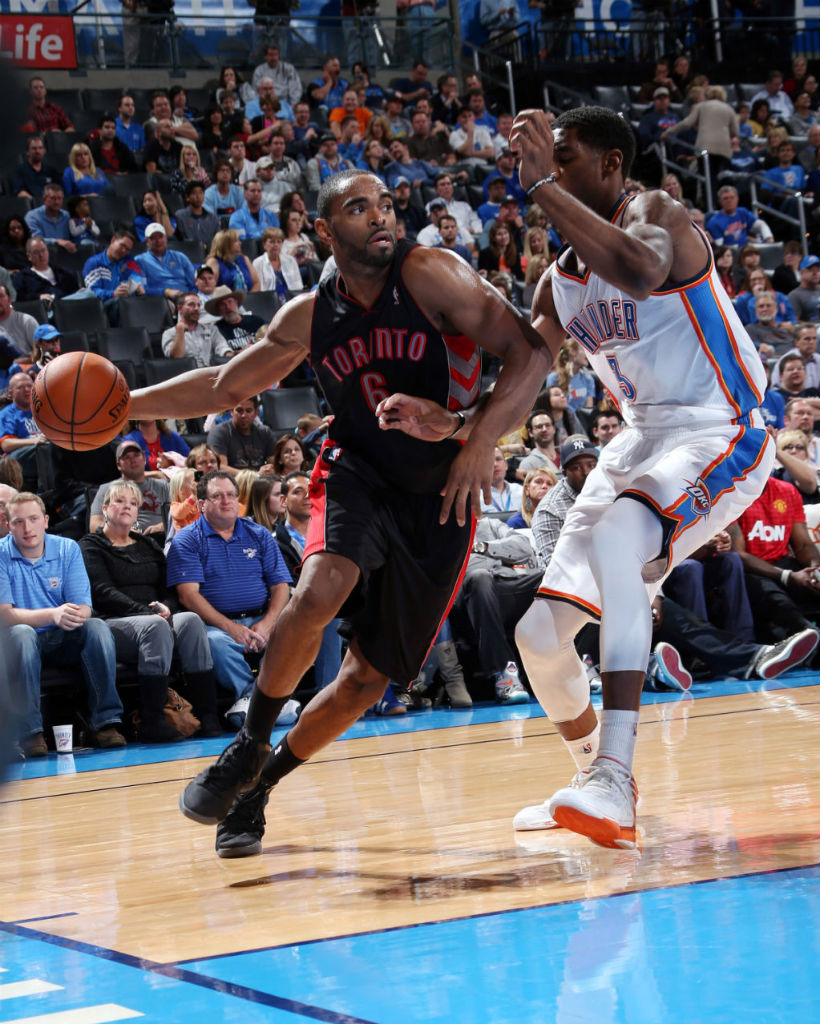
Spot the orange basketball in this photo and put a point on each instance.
(80, 401)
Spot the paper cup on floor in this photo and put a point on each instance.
(63, 739)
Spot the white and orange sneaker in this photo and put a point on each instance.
(534, 819)
(599, 803)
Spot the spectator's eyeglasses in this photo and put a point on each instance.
(794, 448)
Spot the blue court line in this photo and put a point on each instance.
(88, 760)
(125, 991)
(48, 917)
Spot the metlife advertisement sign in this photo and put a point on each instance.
(29, 39)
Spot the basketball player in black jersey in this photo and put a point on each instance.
(383, 545)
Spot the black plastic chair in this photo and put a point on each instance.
(264, 304)
(35, 308)
(130, 343)
(282, 408)
(115, 209)
(14, 206)
(148, 311)
(158, 370)
(80, 315)
(192, 247)
(74, 341)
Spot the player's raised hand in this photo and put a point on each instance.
(531, 138)
(418, 417)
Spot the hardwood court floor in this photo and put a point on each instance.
(402, 829)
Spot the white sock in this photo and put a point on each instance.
(619, 730)
(584, 750)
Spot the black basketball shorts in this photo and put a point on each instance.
(411, 566)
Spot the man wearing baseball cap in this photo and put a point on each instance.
(410, 213)
(656, 120)
(805, 299)
(46, 347)
(579, 456)
(326, 163)
(156, 496)
(167, 271)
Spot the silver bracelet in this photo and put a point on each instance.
(549, 180)
(462, 419)
(784, 576)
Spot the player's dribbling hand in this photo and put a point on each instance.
(418, 417)
(531, 138)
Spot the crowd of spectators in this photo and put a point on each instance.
(203, 210)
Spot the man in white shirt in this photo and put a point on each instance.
(430, 235)
(466, 217)
(780, 105)
(283, 75)
(184, 131)
(190, 337)
(242, 169)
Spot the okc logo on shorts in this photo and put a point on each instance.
(701, 498)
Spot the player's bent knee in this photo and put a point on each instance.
(535, 632)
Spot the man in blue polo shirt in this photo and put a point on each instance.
(45, 600)
(230, 572)
(252, 219)
(167, 271)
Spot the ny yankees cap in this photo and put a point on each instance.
(575, 446)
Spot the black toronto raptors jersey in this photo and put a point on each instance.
(361, 356)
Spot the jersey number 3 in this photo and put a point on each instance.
(624, 383)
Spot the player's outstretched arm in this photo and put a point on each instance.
(457, 299)
(214, 388)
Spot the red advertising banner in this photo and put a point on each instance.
(38, 40)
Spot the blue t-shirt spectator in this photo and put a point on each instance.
(745, 308)
(730, 228)
(250, 226)
(171, 270)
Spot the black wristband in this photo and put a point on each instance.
(462, 419)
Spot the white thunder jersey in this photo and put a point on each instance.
(680, 358)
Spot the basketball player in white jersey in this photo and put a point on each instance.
(637, 287)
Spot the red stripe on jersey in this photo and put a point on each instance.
(465, 350)
(315, 540)
(460, 345)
